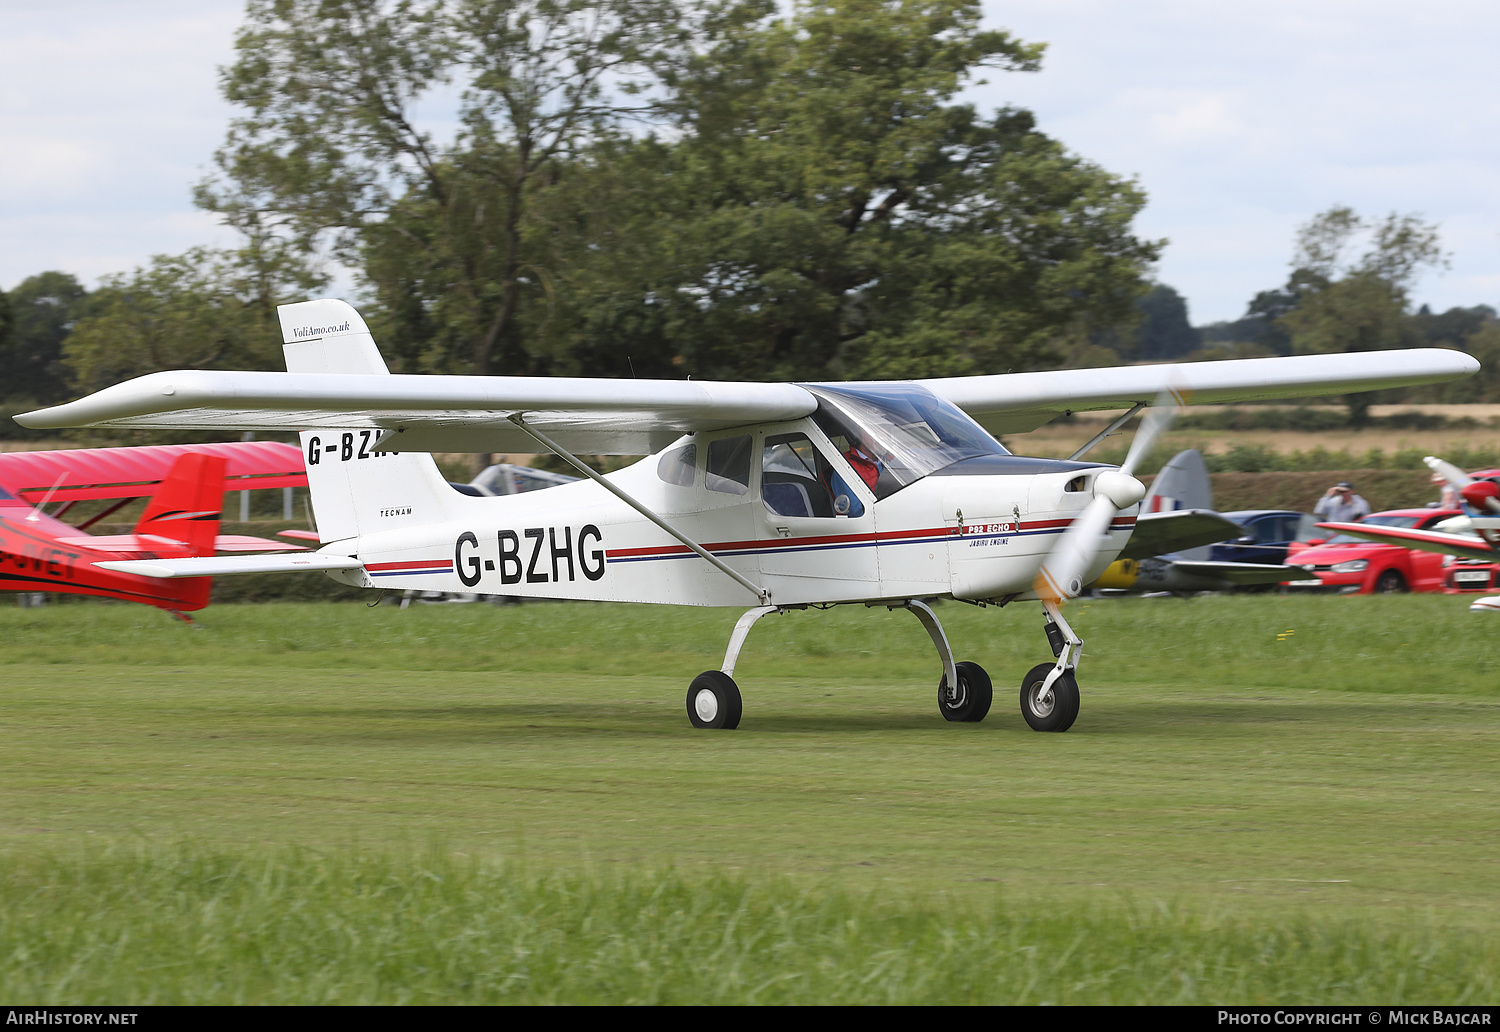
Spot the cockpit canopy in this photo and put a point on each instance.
(898, 432)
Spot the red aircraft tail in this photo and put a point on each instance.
(187, 506)
(185, 511)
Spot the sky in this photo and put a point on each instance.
(1241, 120)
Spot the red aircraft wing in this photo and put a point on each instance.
(80, 473)
(1465, 545)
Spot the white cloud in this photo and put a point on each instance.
(1244, 120)
(46, 167)
(1205, 120)
(1241, 120)
(109, 113)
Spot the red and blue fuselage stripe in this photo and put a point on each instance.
(842, 541)
(409, 567)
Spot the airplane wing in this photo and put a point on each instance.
(634, 417)
(138, 472)
(1239, 573)
(219, 566)
(1157, 533)
(1466, 545)
(1016, 402)
(437, 413)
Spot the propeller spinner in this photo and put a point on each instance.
(1062, 572)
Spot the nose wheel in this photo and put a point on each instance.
(1049, 707)
(1049, 691)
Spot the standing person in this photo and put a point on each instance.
(1341, 505)
(1448, 497)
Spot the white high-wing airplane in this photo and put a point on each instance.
(774, 496)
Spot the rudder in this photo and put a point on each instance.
(187, 508)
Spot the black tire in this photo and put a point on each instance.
(1056, 714)
(1391, 583)
(972, 700)
(713, 701)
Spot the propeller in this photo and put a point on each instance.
(1449, 472)
(1062, 572)
(1480, 494)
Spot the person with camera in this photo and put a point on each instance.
(1341, 505)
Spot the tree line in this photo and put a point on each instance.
(664, 188)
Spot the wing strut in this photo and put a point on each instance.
(1102, 434)
(572, 460)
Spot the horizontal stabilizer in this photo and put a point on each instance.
(299, 535)
(219, 566)
(1424, 540)
(1240, 573)
(1157, 533)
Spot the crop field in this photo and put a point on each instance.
(1264, 799)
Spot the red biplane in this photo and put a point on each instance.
(185, 483)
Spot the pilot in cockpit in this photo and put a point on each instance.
(861, 456)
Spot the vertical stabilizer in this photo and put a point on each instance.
(1182, 484)
(327, 336)
(355, 488)
(186, 508)
(188, 504)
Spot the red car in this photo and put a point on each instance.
(1462, 574)
(1349, 566)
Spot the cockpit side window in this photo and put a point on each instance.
(728, 470)
(798, 480)
(679, 465)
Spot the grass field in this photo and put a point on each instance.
(1265, 799)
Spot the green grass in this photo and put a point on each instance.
(1264, 799)
(192, 926)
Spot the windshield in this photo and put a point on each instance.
(1377, 521)
(895, 434)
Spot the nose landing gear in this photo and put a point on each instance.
(1049, 691)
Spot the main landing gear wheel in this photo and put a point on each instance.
(713, 701)
(971, 700)
(1054, 711)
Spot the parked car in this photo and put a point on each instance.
(1347, 565)
(1461, 574)
(506, 479)
(1268, 535)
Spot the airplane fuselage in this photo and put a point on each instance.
(972, 535)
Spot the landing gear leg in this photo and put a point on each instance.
(965, 692)
(1049, 691)
(713, 699)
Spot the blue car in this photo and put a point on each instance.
(1268, 532)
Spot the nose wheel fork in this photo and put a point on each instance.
(1049, 691)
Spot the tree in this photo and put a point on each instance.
(674, 188)
(833, 213)
(1357, 302)
(6, 321)
(200, 310)
(1453, 328)
(43, 310)
(331, 148)
(1165, 333)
